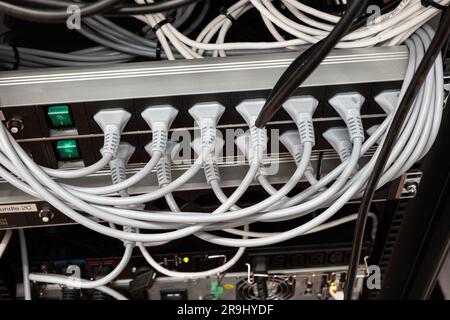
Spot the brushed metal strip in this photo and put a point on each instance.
(188, 77)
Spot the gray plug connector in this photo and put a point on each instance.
(112, 122)
(301, 109)
(207, 112)
(207, 116)
(159, 119)
(118, 174)
(388, 100)
(244, 144)
(210, 163)
(118, 165)
(249, 111)
(348, 106)
(164, 166)
(292, 141)
(339, 139)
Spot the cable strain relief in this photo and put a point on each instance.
(345, 151)
(212, 171)
(355, 128)
(164, 172)
(258, 142)
(298, 157)
(159, 140)
(208, 137)
(130, 230)
(111, 143)
(118, 173)
(306, 131)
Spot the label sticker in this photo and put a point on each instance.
(20, 207)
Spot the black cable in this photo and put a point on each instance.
(293, 67)
(301, 71)
(55, 16)
(442, 33)
(427, 3)
(16, 58)
(362, 21)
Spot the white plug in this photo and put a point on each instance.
(301, 110)
(112, 122)
(159, 119)
(207, 112)
(112, 118)
(249, 111)
(124, 152)
(196, 145)
(164, 166)
(348, 105)
(210, 165)
(339, 139)
(118, 165)
(244, 144)
(118, 173)
(388, 100)
(292, 141)
(207, 116)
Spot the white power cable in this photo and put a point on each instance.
(331, 191)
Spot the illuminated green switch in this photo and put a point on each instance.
(67, 149)
(60, 116)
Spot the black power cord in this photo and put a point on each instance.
(293, 67)
(303, 67)
(442, 34)
(113, 7)
(362, 21)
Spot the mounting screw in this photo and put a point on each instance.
(15, 125)
(46, 215)
(411, 188)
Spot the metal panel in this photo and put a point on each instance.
(187, 77)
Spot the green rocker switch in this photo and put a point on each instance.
(67, 149)
(60, 116)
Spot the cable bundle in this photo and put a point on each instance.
(392, 28)
(292, 28)
(128, 222)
